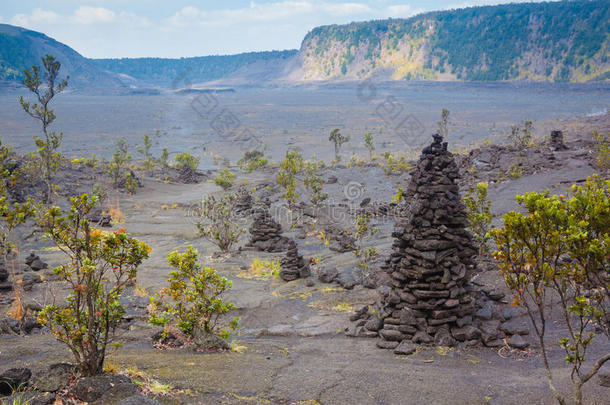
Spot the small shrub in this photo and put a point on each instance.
(252, 160)
(289, 168)
(131, 183)
(119, 161)
(602, 150)
(217, 221)
(188, 160)
(164, 158)
(368, 144)
(560, 247)
(399, 197)
(478, 211)
(224, 179)
(338, 140)
(521, 137)
(314, 183)
(193, 299)
(48, 156)
(363, 232)
(148, 162)
(394, 164)
(100, 265)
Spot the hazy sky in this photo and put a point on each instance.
(175, 28)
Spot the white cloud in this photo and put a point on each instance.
(279, 11)
(92, 15)
(37, 17)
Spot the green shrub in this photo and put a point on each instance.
(313, 182)
(225, 179)
(602, 150)
(368, 144)
(217, 221)
(363, 233)
(48, 156)
(289, 168)
(252, 160)
(338, 140)
(119, 161)
(478, 211)
(193, 299)
(144, 150)
(99, 267)
(186, 159)
(560, 248)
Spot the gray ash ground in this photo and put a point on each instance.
(292, 334)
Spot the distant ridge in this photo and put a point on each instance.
(567, 41)
(21, 48)
(552, 41)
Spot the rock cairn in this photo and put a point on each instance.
(429, 300)
(557, 140)
(266, 233)
(293, 265)
(34, 262)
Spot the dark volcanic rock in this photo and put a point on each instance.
(109, 387)
(328, 274)
(55, 378)
(14, 378)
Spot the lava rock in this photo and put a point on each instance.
(108, 386)
(405, 348)
(55, 378)
(14, 378)
(517, 342)
(328, 274)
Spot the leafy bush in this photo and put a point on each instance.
(394, 164)
(144, 150)
(119, 161)
(478, 211)
(560, 247)
(368, 144)
(193, 299)
(252, 160)
(225, 179)
(188, 160)
(338, 140)
(602, 150)
(313, 182)
(217, 221)
(47, 146)
(399, 197)
(100, 265)
(521, 137)
(363, 231)
(131, 183)
(289, 168)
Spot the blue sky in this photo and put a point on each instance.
(176, 28)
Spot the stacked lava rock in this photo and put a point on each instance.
(557, 141)
(428, 301)
(266, 233)
(293, 265)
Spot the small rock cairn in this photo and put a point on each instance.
(557, 141)
(266, 233)
(428, 300)
(293, 265)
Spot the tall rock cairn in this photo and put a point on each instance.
(431, 260)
